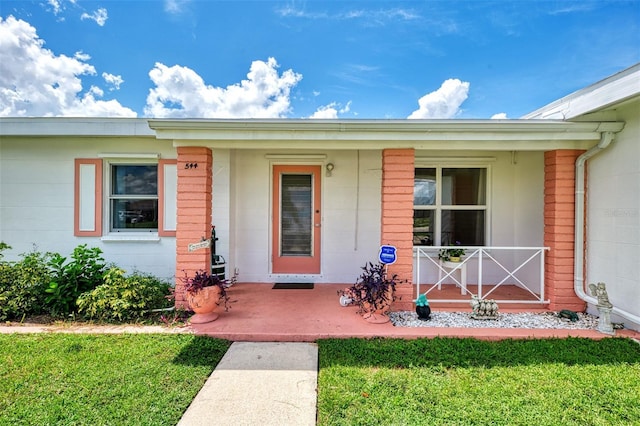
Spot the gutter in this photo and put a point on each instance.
(578, 282)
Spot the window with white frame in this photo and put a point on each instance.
(133, 197)
(450, 206)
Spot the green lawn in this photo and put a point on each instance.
(67, 379)
(470, 382)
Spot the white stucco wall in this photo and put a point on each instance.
(350, 213)
(37, 190)
(613, 215)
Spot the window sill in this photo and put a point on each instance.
(138, 237)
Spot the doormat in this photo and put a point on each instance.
(293, 286)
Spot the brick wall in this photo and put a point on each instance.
(194, 213)
(397, 218)
(559, 215)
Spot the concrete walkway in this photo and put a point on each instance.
(259, 383)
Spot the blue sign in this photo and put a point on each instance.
(387, 254)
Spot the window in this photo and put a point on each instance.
(449, 206)
(133, 197)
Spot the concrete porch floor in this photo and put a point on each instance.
(259, 313)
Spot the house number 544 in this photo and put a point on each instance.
(191, 165)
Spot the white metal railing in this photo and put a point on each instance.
(495, 266)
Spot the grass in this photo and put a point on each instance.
(72, 379)
(465, 382)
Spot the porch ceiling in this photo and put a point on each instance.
(499, 135)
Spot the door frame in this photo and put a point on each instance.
(296, 265)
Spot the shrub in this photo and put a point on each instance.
(70, 279)
(123, 298)
(22, 285)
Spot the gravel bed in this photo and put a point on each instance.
(547, 320)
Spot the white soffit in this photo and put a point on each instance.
(381, 134)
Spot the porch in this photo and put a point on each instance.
(261, 314)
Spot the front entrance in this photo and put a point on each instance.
(296, 219)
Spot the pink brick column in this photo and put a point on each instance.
(559, 214)
(195, 178)
(397, 218)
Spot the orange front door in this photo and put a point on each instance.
(296, 219)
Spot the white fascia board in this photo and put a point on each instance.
(451, 145)
(380, 134)
(67, 126)
(612, 90)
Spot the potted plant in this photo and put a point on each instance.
(452, 254)
(373, 293)
(205, 292)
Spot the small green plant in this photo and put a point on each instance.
(123, 298)
(70, 279)
(3, 246)
(447, 253)
(22, 285)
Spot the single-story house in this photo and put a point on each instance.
(548, 203)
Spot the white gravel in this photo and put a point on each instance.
(548, 320)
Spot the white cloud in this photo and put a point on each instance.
(81, 56)
(114, 80)
(36, 82)
(174, 6)
(100, 16)
(499, 116)
(331, 110)
(327, 111)
(444, 102)
(181, 92)
(55, 5)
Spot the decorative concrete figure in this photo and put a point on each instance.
(483, 309)
(422, 308)
(604, 307)
(600, 291)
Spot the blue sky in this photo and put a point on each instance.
(302, 59)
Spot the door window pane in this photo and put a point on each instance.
(296, 236)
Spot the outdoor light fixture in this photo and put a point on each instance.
(330, 168)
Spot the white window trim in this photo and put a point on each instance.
(109, 234)
(438, 207)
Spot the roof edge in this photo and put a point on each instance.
(612, 90)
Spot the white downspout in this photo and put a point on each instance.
(578, 283)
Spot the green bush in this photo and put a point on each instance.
(123, 298)
(70, 279)
(22, 285)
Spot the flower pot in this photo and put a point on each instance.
(454, 259)
(379, 315)
(204, 303)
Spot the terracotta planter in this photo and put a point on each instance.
(204, 303)
(380, 315)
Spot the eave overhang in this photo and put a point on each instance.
(306, 134)
(505, 135)
(74, 127)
